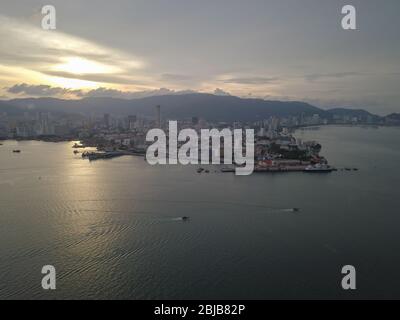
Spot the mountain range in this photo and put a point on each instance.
(208, 106)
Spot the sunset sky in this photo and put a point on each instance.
(287, 50)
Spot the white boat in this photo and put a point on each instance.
(319, 168)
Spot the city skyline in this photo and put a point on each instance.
(263, 49)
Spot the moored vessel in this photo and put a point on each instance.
(319, 168)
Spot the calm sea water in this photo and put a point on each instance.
(112, 230)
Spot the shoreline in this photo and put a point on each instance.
(57, 139)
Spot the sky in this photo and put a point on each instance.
(274, 50)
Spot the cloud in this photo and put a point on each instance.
(278, 98)
(40, 90)
(337, 75)
(175, 77)
(113, 93)
(251, 80)
(28, 48)
(43, 90)
(107, 92)
(99, 77)
(220, 92)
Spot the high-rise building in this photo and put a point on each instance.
(131, 122)
(107, 120)
(158, 116)
(195, 121)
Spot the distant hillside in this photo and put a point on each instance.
(393, 119)
(207, 106)
(10, 108)
(394, 116)
(350, 112)
(354, 113)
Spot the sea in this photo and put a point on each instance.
(113, 229)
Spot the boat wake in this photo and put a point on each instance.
(180, 219)
(290, 210)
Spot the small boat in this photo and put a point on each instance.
(78, 146)
(17, 151)
(86, 154)
(296, 209)
(200, 170)
(185, 218)
(318, 168)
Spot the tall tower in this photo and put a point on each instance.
(107, 120)
(158, 116)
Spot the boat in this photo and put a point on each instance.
(17, 151)
(86, 154)
(200, 170)
(104, 155)
(185, 218)
(78, 146)
(319, 168)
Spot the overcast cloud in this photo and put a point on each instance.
(258, 48)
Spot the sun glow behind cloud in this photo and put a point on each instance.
(250, 52)
(81, 66)
(57, 59)
(69, 83)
